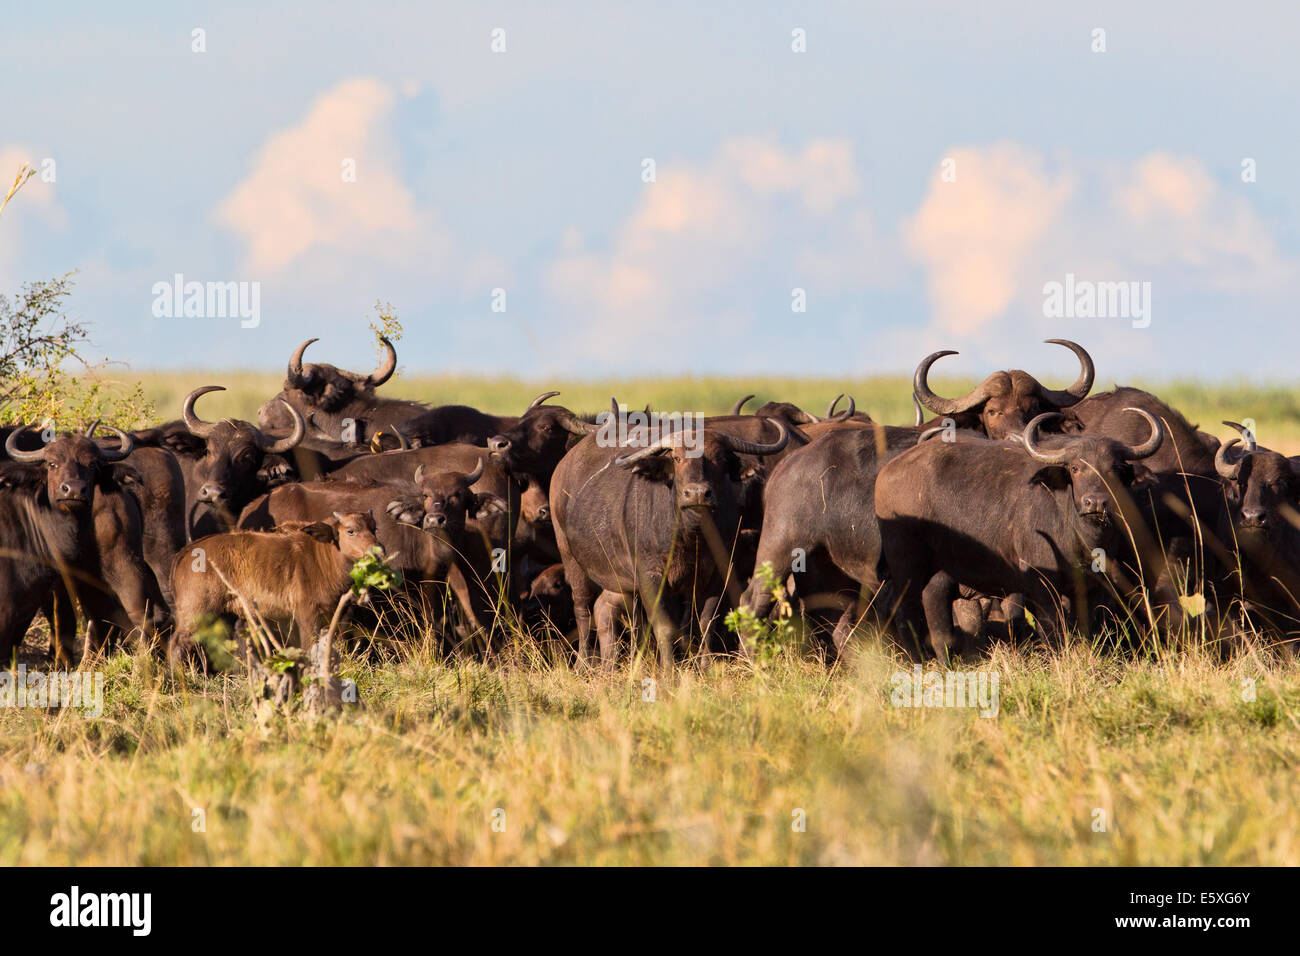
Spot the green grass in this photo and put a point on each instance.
(1275, 408)
(712, 771)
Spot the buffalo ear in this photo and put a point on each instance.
(488, 504)
(654, 468)
(1070, 426)
(1143, 478)
(121, 476)
(20, 475)
(322, 531)
(740, 470)
(1056, 477)
(183, 443)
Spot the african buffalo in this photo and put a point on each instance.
(71, 530)
(1046, 514)
(1262, 520)
(819, 519)
(533, 446)
(464, 558)
(638, 520)
(470, 557)
(453, 423)
(154, 476)
(292, 578)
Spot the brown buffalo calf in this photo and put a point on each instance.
(289, 577)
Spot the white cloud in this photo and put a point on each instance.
(989, 240)
(296, 199)
(976, 234)
(704, 237)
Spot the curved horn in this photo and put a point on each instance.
(735, 409)
(476, 474)
(386, 368)
(1064, 398)
(90, 432)
(843, 416)
(576, 426)
(196, 425)
(943, 406)
(1152, 444)
(403, 442)
(742, 447)
(1031, 441)
(295, 361)
(284, 444)
(126, 444)
(536, 402)
(13, 451)
(419, 473)
(920, 412)
(1246, 434)
(930, 433)
(1226, 470)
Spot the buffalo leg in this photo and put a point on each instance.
(936, 599)
(708, 623)
(581, 589)
(14, 621)
(848, 619)
(665, 630)
(775, 547)
(610, 607)
(61, 613)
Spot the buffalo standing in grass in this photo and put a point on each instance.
(1005, 517)
(637, 521)
(293, 578)
(1262, 521)
(69, 529)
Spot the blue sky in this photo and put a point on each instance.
(774, 170)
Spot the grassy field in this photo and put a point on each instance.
(1094, 757)
(1091, 759)
(1275, 408)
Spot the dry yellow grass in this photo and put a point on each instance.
(716, 769)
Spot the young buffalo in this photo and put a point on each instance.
(293, 577)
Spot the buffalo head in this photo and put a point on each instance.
(1263, 487)
(224, 474)
(704, 474)
(1005, 401)
(537, 442)
(1098, 472)
(72, 465)
(315, 386)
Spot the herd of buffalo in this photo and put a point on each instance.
(1017, 510)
